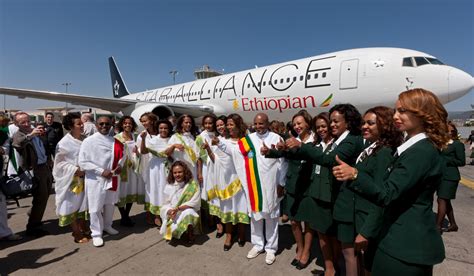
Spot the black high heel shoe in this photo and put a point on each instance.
(241, 243)
(219, 235)
(301, 266)
(294, 262)
(227, 247)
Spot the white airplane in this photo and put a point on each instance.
(363, 77)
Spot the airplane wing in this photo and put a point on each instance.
(110, 104)
(114, 105)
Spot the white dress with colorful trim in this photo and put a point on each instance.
(131, 187)
(180, 194)
(190, 153)
(70, 196)
(228, 193)
(207, 164)
(154, 168)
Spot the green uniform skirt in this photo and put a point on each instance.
(387, 265)
(345, 231)
(317, 213)
(447, 189)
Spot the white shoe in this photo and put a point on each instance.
(97, 241)
(253, 253)
(111, 231)
(270, 258)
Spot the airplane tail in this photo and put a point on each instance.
(119, 88)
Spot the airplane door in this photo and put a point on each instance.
(348, 77)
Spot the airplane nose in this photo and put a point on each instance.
(460, 83)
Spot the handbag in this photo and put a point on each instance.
(17, 185)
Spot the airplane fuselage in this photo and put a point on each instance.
(362, 77)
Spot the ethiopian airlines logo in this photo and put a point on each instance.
(116, 88)
(280, 103)
(327, 102)
(235, 105)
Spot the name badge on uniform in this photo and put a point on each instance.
(317, 169)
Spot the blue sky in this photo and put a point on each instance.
(44, 43)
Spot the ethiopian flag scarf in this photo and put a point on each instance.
(251, 170)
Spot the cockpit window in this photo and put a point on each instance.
(407, 62)
(421, 61)
(434, 61)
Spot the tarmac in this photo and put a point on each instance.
(140, 250)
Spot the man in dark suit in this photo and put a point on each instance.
(34, 157)
(54, 132)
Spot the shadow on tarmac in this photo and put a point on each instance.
(28, 259)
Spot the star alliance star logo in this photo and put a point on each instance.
(116, 88)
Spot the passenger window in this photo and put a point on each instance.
(324, 75)
(316, 75)
(264, 83)
(248, 85)
(294, 79)
(281, 80)
(421, 61)
(275, 82)
(287, 79)
(301, 78)
(259, 84)
(407, 62)
(308, 77)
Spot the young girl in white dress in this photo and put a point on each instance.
(182, 200)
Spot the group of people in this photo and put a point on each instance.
(362, 185)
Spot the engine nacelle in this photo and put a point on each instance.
(162, 111)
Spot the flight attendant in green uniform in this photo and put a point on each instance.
(409, 242)
(379, 130)
(345, 128)
(454, 156)
(295, 203)
(322, 197)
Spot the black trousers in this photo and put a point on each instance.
(44, 180)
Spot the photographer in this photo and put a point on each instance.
(31, 148)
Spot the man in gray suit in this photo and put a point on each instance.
(34, 157)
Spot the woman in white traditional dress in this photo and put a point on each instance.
(214, 202)
(183, 143)
(131, 187)
(149, 121)
(182, 200)
(69, 180)
(205, 169)
(229, 190)
(154, 166)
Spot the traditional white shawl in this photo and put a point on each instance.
(95, 156)
(65, 166)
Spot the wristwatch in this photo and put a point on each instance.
(354, 176)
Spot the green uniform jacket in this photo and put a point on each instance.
(298, 174)
(408, 232)
(454, 156)
(368, 215)
(320, 180)
(348, 150)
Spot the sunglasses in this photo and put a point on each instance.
(104, 124)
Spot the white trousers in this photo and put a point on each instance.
(101, 220)
(5, 231)
(271, 234)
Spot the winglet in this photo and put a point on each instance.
(119, 88)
